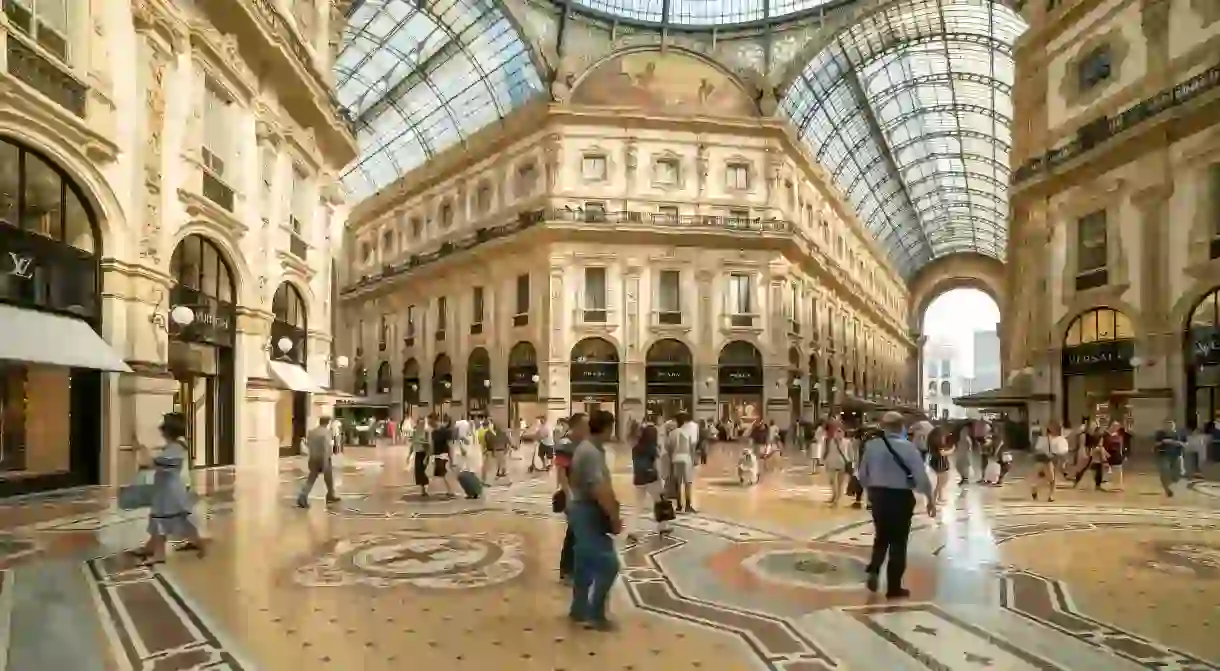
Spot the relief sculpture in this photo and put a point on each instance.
(670, 83)
(154, 97)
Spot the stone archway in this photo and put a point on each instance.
(957, 271)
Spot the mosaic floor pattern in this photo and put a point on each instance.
(767, 577)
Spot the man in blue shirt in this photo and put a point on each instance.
(1170, 446)
(892, 470)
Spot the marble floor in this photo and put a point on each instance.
(766, 577)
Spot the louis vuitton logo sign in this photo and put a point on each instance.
(22, 266)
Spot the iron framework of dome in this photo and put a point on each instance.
(909, 109)
(419, 76)
(703, 14)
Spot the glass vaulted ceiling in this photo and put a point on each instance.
(704, 13)
(419, 76)
(910, 109)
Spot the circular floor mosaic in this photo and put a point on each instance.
(808, 568)
(418, 559)
(1205, 488)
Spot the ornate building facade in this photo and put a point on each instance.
(650, 244)
(1116, 210)
(168, 197)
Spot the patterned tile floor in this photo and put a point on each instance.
(767, 577)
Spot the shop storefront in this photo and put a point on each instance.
(478, 383)
(669, 380)
(288, 349)
(1202, 360)
(410, 389)
(739, 376)
(51, 353)
(815, 387)
(201, 348)
(594, 376)
(523, 401)
(1098, 374)
(796, 396)
(442, 385)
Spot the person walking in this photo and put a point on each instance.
(840, 458)
(1170, 447)
(892, 470)
(319, 446)
(1050, 450)
(646, 477)
(941, 445)
(171, 506)
(577, 429)
(421, 448)
(1196, 449)
(964, 454)
(594, 515)
(442, 439)
(496, 444)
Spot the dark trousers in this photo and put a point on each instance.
(567, 557)
(892, 512)
(1098, 473)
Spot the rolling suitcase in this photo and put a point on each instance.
(471, 484)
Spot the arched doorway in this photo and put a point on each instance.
(815, 386)
(1098, 376)
(410, 387)
(739, 376)
(478, 383)
(442, 384)
(523, 384)
(594, 376)
(51, 356)
(795, 385)
(669, 380)
(1202, 359)
(385, 381)
(289, 352)
(201, 352)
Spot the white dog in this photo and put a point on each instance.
(747, 467)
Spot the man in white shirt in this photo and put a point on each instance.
(546, 442)
(681, 443)
(319, 445)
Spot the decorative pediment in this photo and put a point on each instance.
(31, 111)
(206, 212)
(295, 266)
(223, 60)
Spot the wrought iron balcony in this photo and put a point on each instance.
(1103, 129)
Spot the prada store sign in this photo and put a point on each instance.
(1205, 346)
(522, 377)
(740, 376)
(1098, 357)
(601, 372)
(669, 375)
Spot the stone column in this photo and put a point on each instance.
(554, 384)
(258, 444)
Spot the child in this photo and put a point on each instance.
(747, 467)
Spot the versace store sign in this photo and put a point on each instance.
(740, 379)
(1205, 346)
(1098, 357)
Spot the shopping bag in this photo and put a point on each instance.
(138, 494)
(664, 510)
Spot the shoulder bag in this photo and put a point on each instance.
(898, 460)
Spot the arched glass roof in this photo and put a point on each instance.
(422, 75)
(704, 13)
(910, 109)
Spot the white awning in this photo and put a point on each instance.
(42, 337)
(294, 377)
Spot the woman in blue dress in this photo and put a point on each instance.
(170, 513)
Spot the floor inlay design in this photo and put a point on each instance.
(418, 559)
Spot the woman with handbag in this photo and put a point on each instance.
(649, 490)
(941, 445)
(840, 458)
(170, 503)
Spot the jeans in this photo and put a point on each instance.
(316, 469)
(1169, 467)
(1194, 462)
(892, 512)
(596, 564)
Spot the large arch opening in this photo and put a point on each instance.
(410, 387)
(442, 384)
(739, 377)
(594, 376)
(523, 382)
(478, 383)
(51, 353)
(1098, 367)
(669, 380)
(201, 350)
(289, 352)
(961, 350)
(1202, 360)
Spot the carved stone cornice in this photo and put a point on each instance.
(221, 52)
(203, 210)
(162, 22)
(26, 111)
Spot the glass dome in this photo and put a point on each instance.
(419, 76)
(909, 109)
(704, 13)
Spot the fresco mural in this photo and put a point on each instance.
(670, 83)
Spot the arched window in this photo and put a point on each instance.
(410, 382)
(442, 379)
(594, 350)
(740, 353)
(360, 380)
(383, 378)
(38, 197)
(944, 388)
(478, 372)
(522, 370)
(203, 281)
(290, 325)
(1098, 325)
(668, 352)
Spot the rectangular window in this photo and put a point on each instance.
(217, 130)
(739, 218)
(667, 214)
(482, 199)
(417, 227)
(527, 179)
(595, 295)
(46, 21)
(1094, 68)
(446, 215)
(387, 242)
(669, 296)
(267, 161)
(667, 171)
(593, 167)
(383, 334)
(523, 300)
(476, 311)
(1092, 251)
(442, 316)
(300, 199)
(410, 336)
(741, 303)
(737, 176)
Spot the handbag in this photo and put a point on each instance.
(138, 494)
(559, 501)
(664, 511)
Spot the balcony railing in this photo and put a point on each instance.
(46, 77)
(1103, 129)
(740, 320)
(476, 328)
(217, 191)
(594, 316)
(521, 320)
(297, 246)
(669, 317)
